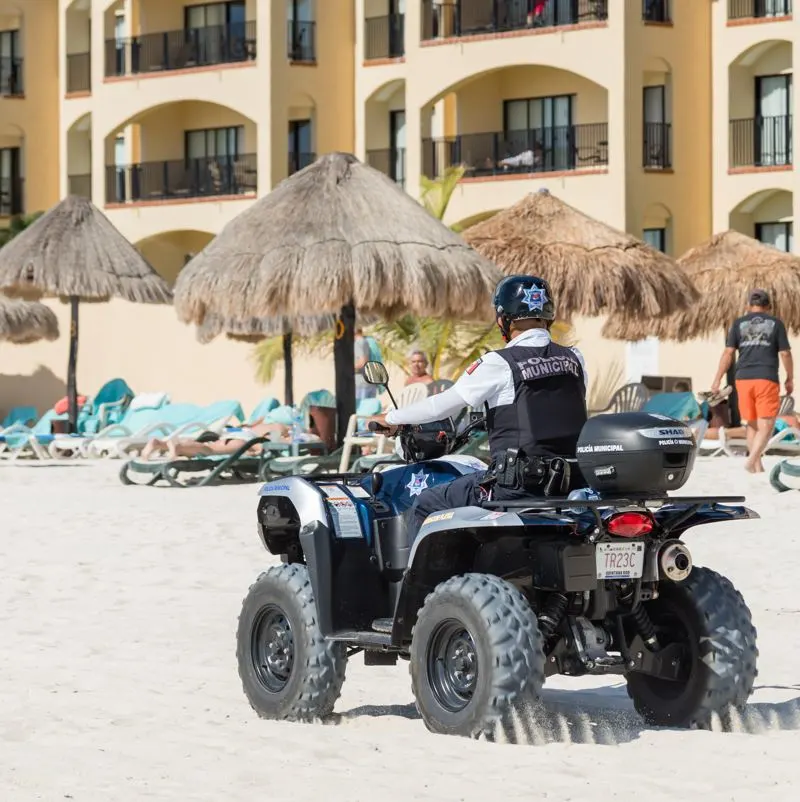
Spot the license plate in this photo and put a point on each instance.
(619, 560)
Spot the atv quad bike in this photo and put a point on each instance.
(488, 601)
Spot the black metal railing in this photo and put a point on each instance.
(181, 49)
(182, 178)
(453, 18)
(11, 83)
(80, 185)
(657, 146)
(11, 199)
(298, 161)
(302, 41)
(391, 162)
(761, 142)
(656, 11)
(539, 150)
(756, 9)
(79, 72)
(384, 37)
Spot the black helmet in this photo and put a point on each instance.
(517, 297)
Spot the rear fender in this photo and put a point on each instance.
(706, 514)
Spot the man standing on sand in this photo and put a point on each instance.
(760, 338)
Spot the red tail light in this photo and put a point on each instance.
(630, 524)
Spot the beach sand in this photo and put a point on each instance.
(118, 679)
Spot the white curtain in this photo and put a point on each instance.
(774, 103)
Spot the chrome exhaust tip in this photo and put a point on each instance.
(675, 561)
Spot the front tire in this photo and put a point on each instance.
(477, 657)
(288, 669)
(708, 615)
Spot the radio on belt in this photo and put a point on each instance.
(635, 453)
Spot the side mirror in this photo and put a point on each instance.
(376, 373)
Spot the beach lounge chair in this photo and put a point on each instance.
(628, 398)
(19, 440)
(26, 416)
(105, 408)
(262, 409)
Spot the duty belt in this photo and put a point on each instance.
(515, 470)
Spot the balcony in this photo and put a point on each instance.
(457, 18)
(761, 142)
(759, 9)
(657, 146)
(80, 185)
(384, 37)
(183, 49)
(302, 42)
(657, 11)
(11, 84)
(79, 72)
(390, 162)
(182, 179)
(542, 150)
(299, 161)
(11, 197)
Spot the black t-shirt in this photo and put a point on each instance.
(758, 337)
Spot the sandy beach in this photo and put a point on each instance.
(118, 681)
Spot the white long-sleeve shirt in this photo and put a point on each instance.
(488, 380)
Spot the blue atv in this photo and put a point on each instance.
(485, 602)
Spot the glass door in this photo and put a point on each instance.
(120, 164)
(551, 123)
(778, 235)
(773, 120)
(300, 146)
(655, 130)
(397, 128)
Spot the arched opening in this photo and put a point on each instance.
(385, 130)
(657, 114)
(657, 227)
(521, 119)
(760, 106)
(78, 18)
(79, 157)
(12, 170)
(768, 217)
(302, 132)
(12, 82)
(170, 251)
(177, 151)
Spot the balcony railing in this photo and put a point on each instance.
(758, 9)
(302, 41)
(761, 142)
(182, 178)
(11, 84)
(453, 18)
(656, 11)
(299, 161)
(181, 50)
(79, 72)
(384, 37)
(80, 185)
(539, 150)
(11, 201)
(657, 146)
(391, 162)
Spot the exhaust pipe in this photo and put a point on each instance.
(675, 561)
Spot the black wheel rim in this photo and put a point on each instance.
(452, 665)
(272, 648)
(673, 626)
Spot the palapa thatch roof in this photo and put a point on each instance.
(725, 269)
(334, 233)
(74, 250)
(26, 321)
(254, 330)
(592, 268)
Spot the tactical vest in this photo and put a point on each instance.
(549, 407)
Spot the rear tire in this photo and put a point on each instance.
(707, 613)
(288, 669)
(477, 657)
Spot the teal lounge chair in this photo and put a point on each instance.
(19, 440)
(262, 409)
(27, 416)
(105, 408)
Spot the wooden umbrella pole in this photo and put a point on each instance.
(72, 388)
(343, 362)
(288, 370)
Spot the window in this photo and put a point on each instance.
(397, 132)
(773, 132)
(778, 235)
(300, 11)
(10, 63)
(656, 151)
(214, 143)
(543, 126)
(656, 238)
(215, 14)
(10, 185)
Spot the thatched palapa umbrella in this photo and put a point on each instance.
(336, 237)
(74, 252)
(593, 268)
(23, 322)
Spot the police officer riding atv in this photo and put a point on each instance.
(564, 555)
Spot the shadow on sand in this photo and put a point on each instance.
(604, 716)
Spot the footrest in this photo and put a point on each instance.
(383, 625)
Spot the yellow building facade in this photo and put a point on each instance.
(671, 119)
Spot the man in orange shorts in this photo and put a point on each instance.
(760, 338)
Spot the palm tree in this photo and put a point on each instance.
(17, 225)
